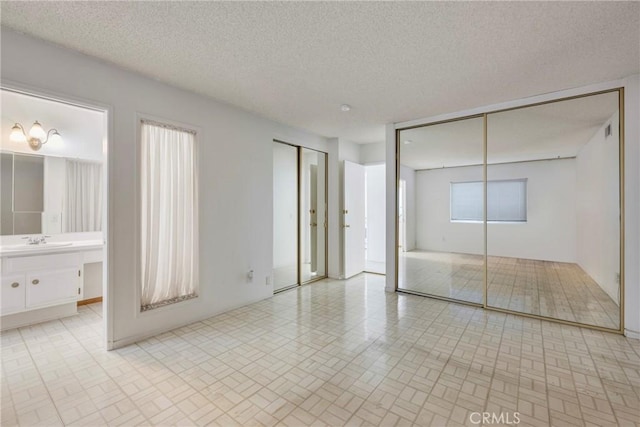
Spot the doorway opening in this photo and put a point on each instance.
(54, 209)
(375, 214)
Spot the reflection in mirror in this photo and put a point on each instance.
(441, 209)
(312, 215)
(553, 206)
(285, 216)
(50, 195)
(82, 209)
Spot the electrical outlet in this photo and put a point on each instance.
(618, 278)
(267, 280)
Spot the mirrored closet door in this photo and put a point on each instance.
(313, 224)
(299, 215)
(285, 216)
(518, 210)
(440, 210)
(553, 210)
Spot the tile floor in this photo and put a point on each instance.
(553, 289)
(331, 353)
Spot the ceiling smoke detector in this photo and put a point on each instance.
(345, 107)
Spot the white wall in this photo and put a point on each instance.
(550, 231)
(372, 153)
(375, 206)
(235, 154)
(548, 234)
(598, 213)
(82, 129)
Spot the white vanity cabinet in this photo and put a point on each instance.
(13, 294)
(39, 281)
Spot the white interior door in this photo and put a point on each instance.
(353, 219)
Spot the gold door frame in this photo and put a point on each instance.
(621, 187)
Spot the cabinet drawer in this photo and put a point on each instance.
(51, 287)
(41, 262)
(12, 293)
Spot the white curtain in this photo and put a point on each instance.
(83, 197)
(169, 209)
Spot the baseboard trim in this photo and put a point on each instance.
(632, 334)
(123, 342)
(89, 301)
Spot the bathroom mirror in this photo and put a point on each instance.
(49, 195)
(440, 210)
(553, 231)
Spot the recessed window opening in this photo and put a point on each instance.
(506, 201)
(169, 215)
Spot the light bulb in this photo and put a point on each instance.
(37, 132)
(55, 137)
(17, 135)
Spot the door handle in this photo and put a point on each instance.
(346, 226)
(35, 281)
(15, 284)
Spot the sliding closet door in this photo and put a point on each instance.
(285, 216)
(313, 195)
(441, 210)
(553, 210)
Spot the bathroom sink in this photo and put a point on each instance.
(24, 247)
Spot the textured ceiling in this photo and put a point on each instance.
(296, 62)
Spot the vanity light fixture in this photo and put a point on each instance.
(36, 137)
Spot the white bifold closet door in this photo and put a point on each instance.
(353, 219)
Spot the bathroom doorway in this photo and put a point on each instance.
(54, 209)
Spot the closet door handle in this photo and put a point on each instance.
(15, 284)
(35, 281)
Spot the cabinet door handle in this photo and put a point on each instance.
(15, 284)
(35, 281)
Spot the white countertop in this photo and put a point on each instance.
(49, 248)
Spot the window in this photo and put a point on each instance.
(169, 215)
(506, 201)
